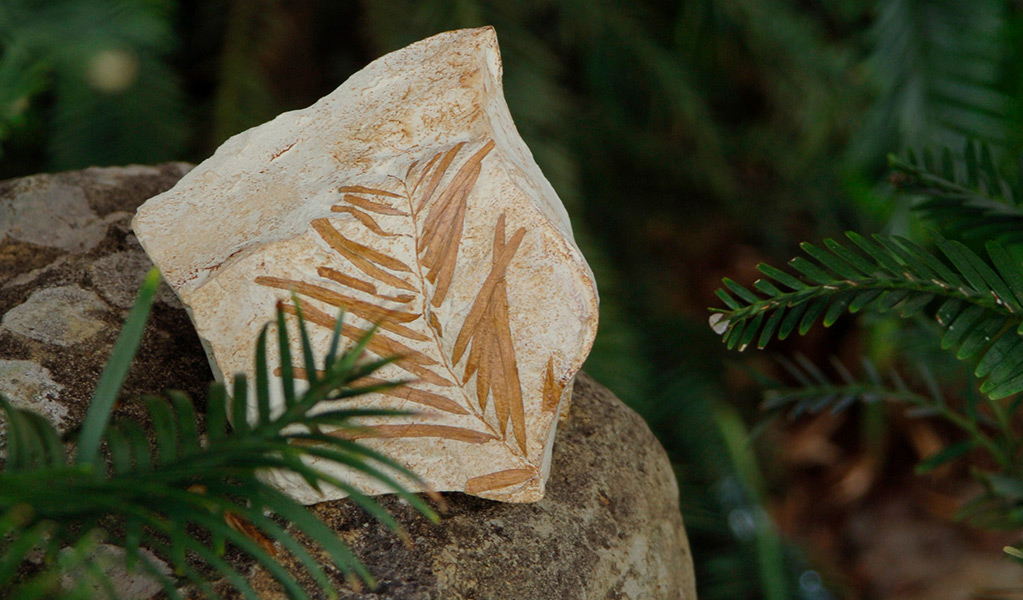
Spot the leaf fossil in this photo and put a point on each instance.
(427, 209)
(413, 203)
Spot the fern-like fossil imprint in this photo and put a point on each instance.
(432, 199)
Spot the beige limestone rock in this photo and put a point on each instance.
(408, 198)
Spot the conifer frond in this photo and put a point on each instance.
(817, 391)
(965, 197)
(168, 492)
(938, 69)
(979, 305)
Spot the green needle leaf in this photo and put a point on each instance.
(751, 331)
(832, 262)
(966, 261)
(98, 415)
(956, 332)
(811, 271)
(263, 373)
(862, 265)
(791, 320)
(943, 456)
(740, 291)
(216, 412)
(767, 287)
(770, 327)
(980, 337)
(287, 370)
(837, 309)
(725, 297)
(1008, 349)
(877, 253)
(781, 277)
(1010, 270)
(813, 311)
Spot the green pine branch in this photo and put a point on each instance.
(978, 305)
(966, 198)
(173, 492)
(938, 70)
(817, 392)
(985, 422)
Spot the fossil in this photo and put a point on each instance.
(407, 199)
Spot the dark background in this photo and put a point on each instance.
(690, 140)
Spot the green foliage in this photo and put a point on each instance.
(818, 392)
(90, 77)
(656, 122)
(977, 304)
(986, 423)
(938, 69)
(244, 96)
(966, 197)
(187, 496)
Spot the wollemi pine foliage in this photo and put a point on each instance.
(979, 305)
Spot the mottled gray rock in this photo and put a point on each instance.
(69, 269)
(62, 315)
(128, 584)
(608, 527)
(31, 387)
(55, 216)
(117, 277)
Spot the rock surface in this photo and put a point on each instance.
(69, 269)
(609, 526)
(406, 197)
(129, 584)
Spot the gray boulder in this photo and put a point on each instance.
(609, 526)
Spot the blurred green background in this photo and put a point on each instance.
(689, 139)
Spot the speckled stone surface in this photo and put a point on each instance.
(30, 386)
(65, 315)
(69, 270)
(608, 527)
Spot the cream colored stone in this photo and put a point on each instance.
(407, 197)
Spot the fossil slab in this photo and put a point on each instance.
(407, 197)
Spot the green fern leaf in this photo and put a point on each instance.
(978, 206)
(165, 492)
(938, 71)
(975, 302)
